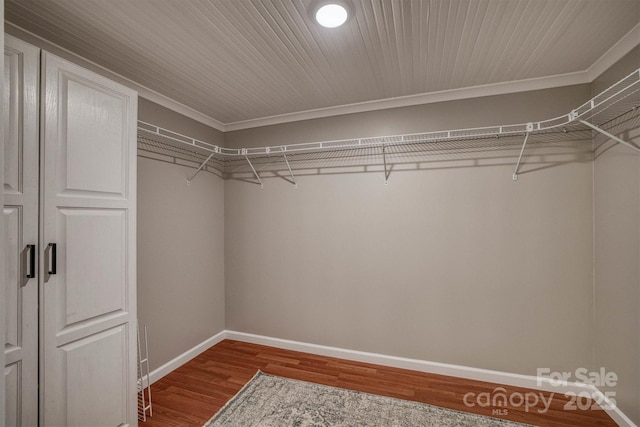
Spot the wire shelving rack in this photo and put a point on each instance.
(601, 114)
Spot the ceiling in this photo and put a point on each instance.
(236, 61)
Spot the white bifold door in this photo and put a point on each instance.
(85, 368)
(21, 190)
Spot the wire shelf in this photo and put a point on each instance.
(577, 126)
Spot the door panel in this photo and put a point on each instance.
(95, 160)
(20, 211)
(97, 366)
(13, 398)
(94, 281)
(13, 145)
(88, 181)
(12, 294)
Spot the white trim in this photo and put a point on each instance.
(176, 362)
(615, 53)
(613, 410)
(2, 246)
(498, 377)
(501, 88)
(143, 91)
(606, 61)
(610, 57)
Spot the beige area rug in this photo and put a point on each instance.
(271, 401)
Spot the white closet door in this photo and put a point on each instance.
(21, 75)
(89, 184)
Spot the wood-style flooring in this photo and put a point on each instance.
(193, 393)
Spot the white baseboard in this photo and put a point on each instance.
(497, 377)
(175, 363)
(613, 411)
(503, 378)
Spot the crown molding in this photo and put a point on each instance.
(143, 91)
(622, 47)
(615, 53)
(608, 59)
(502, 88)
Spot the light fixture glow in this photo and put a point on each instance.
(331, 15)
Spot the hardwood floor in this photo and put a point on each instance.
(190, 395)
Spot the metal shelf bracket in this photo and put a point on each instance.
(293, 178)
(254, 171)
(199, 169)
(524, 145)
(602, 108)
(384, 159)
(608, 135)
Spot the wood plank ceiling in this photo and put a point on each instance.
(236, 60)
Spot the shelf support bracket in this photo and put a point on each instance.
(384, 159)
(254, 171)
(608, 135)
(293, 178)
(524, 145)
(199, 169)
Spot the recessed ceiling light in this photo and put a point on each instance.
(331, 14)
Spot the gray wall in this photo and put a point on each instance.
(158, 115)
(180, 246)
(485, 111)
(455, 263)
(617, 253)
